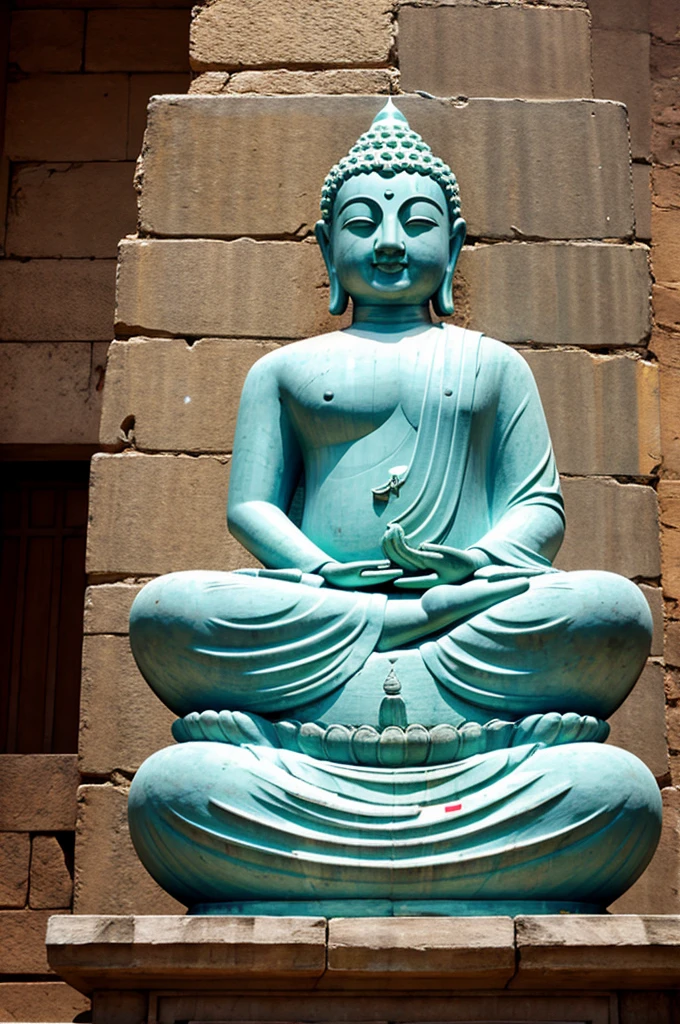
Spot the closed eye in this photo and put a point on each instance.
(421, 221)
(356, 222)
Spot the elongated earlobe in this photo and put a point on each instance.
(442, 300)
(338, 296)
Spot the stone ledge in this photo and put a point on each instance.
(627, 952)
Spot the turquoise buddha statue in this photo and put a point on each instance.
(403, 711)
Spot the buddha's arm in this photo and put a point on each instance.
(265, 469)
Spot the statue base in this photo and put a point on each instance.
(604, 969)
(391, 908)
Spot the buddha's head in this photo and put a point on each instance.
(391, 230)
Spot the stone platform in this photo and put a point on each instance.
(259, 970)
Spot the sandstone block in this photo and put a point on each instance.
(70, 209)
(51, 393)
(587, 294)
(122, 722)
(610, 526)
(666, 187)
(602, 411)
(109, 876)
(40, 1000)
(642, 201)
(47, 40)
(669, 517)
(282, 82)
(596, 951)
(666, 245)
(142, 88)
(51, 881)
(672, 651)
(229, 35)
(38, 792)
(152, 514)
(76, 300)
(639, 725)
(537, 169)
(67, 117)
(137, 40)
(107, 608)
(665, 20)
(666, 303)
(654, 596)
(22, 938)
(657, 891)
(15, 852)
(196, 288)
(621, 72)
(495, 51)
(476, 951)
(194, 402)
(621, 14)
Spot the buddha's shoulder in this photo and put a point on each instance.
(491, 350)
(292, 354)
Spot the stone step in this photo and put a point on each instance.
(226, 166)
(588, 294)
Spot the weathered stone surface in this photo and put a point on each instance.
(642, 201)
(657, 891)
(280, 82)
(142, 40)
(70, 209)
(122, 722)
(622, 14)
(666, 245)
(193, 404)
(22, 939)
(40, 1000)
(196, 288)
(669, 516)
(654, 597)
(664, 20)
(152, 514)
(51, 393)
(67, 117)
(495, 51)
(610, 526)
(228, 34)
(47, 40)
(142, 88)
(592, 952)
(603, 411)
(214, 83)
(588, 294)
(666, 303)
(473, 952)
(640, 725)
(107, 608)
(621, 72)
(540, 169)
(666, 187)
(38, 792)
(76, 300)
(109, 876)
(15, 852)
(51, 882)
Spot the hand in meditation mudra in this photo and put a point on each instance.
(403, 712)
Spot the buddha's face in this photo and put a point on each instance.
(391, 240)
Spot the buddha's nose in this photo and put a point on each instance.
(388, 246)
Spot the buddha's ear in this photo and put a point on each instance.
(338, 298)
(442, 300)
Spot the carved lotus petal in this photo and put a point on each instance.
(392, 747)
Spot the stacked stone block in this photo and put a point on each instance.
(78, 85)
(225, 268)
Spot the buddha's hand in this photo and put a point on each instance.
(428, 565)
(352, 575)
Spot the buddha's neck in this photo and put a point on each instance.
(388, 318)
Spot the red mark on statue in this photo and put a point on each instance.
(453, 807)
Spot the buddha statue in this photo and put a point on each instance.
(402, 709)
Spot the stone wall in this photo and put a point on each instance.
(80, 74)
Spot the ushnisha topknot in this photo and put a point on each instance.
(389, 146)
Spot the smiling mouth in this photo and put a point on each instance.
(390, 267)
